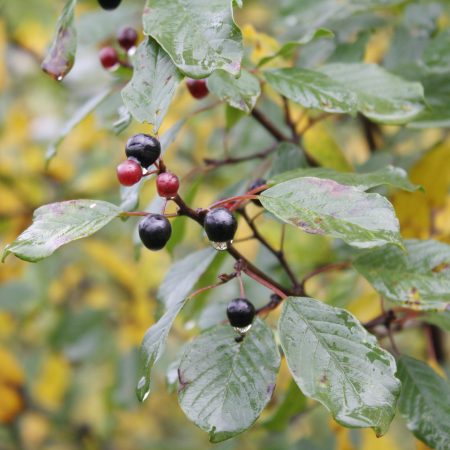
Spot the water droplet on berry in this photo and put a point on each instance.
(220, 245)
(244, 330)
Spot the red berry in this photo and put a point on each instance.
(108, 57)
(197, 88)
(129, 172)
(127, 38)
(167, 184)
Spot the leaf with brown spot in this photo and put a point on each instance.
(61, 55)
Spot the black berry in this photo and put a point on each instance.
(143, 147)
(256, 184)
(109, 4)
(109, 58)
(127, 38)
(240, 312)
(155, 231)
(129, 172)
(167, 184)
(220, 225)
(197, 88)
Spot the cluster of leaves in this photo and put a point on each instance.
(224, 385)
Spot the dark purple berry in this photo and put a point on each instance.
(109, 4)
(144, 148)
(220, 225)
(240, 312)
(197, 88)
(127, 38)
(155, 231)
(256, 184)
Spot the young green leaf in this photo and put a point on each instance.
(390, 175)
(424, 402)
(224, 384)
(61, 55)
(381, 96)
(57, 224)
(418, 279)
(76, 117)
(183, 275)
(174, 291)
(320, 206)
(199, 37)
(149, 92)
(336, 361)
(241, 93)
(312, 89)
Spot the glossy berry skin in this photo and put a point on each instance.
(220, 225)
(129, 172)
(127, 38)
(167, 184)
(109, 4)
(108, 57)
(197, 88)
(144, 148)
(240, 312)
(256, 184)
(155, 231)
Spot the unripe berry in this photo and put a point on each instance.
(109, 4)
(197, 88)
(108, 57)
(155, 230)
(240, 312)
(144, 148)
(127, 38)
(129, 172)
(220, 225)
(167, 184)
(256, 184)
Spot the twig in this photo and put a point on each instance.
(268, 125)
(279, 254)
(329, 267)
(289, 122)
(237, 160)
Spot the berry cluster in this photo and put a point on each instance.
(109, 56)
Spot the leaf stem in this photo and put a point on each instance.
(268, 125)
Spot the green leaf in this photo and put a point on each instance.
(241, 93)
(224, 384)
(381, 96)
(183, 275)
(174, 291)
(312, 89)
(76, 117)
(293, 403)
(390, 175)
(287, 156)
(232, 116)
(57, 224)
(288, 49)
(200, 37)
(437, 53)
(424, 402)
(61, 55)
(149, 92)
(337, 362)
(320, 206)
(418, 279)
